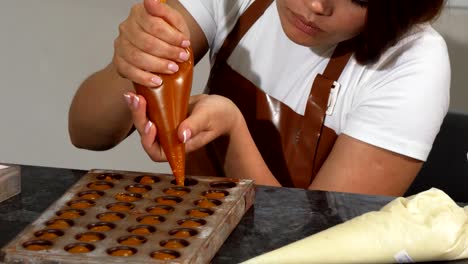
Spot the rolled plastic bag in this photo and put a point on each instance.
(428, 226)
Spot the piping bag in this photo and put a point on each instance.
(167, 107)
(428, 226)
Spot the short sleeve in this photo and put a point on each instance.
(402, 105)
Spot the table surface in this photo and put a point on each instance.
(279, 215)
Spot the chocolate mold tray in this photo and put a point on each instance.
(131, 217)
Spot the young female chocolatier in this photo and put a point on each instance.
(342, 95)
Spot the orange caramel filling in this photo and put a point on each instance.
(122, 253)
(159, 211)
(124, 197)
(81, 205)
(214, 195)
(205, 203)
(173, 244)
(175, 192)
(146, 180)
(99, 187)
(190, 223)
(119, 207)
(37, 247)
(131, 241)
(100, 228)
(137, 189)
(89, 238)
(110, 217)
(70, 214)
(162, 200)
(182, 234)
(163, 256)
(198, 213)
(58, 224)
(79, 249)
(150, 220)
(90, 196)
(141, 231)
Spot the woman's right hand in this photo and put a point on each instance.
(151, 40)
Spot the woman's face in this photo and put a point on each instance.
(321, 22)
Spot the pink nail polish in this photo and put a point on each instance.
(185, 44)
(156, 80)
(173, 67)
(184, 56)
(148, 127)
(187, 134)
(136, 101)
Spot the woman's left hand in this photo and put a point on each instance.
(210, 116)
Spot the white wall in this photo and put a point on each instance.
(48, 47)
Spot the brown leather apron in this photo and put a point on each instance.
(293, 146)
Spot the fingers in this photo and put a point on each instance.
(150, 44)
(144, 126)
(158, 9)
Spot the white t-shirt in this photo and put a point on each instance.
(397, 103)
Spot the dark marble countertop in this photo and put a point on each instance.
(279, 215)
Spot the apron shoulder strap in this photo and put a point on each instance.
(246, 20)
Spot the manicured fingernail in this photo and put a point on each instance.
(185, 44)
(136, 101)
(184, 56)
(128, 98)
(187, 134)
(173, 67)
(156, 80)
(148, 127)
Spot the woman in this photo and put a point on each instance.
(373, 132)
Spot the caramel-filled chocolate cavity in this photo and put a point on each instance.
(207, 203)
(183, 232)
(174, 243)
(121, 251)
(81, 203)
(138, 188)
(160, 209)
(167, 107)
(59, 223)
(90, 237)
(100, 185)
(191, 222)
(151, 219)
(128, 197)
(177, 191)
(141, 229)
(109, 176)
(78, 248)
(70, 213)
(91, 195)
(132, 240)
(215, 194)
(168, 200)
(165, 254)
(120, 206)
(37, 245)
(199, 212)
(101, 227)
(110, 216)
(49, 233)
(147, 179)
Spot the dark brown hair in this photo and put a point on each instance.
(388, 21)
